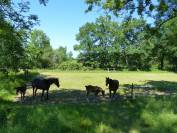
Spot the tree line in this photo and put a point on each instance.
(127, 45)
(132, 43)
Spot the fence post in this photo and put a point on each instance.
(132, 87)
(26, 72)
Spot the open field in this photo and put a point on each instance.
(156, 114)
(78, 80)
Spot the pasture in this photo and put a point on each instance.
(67, 109)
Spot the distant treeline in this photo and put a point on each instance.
(132, 44)
(101, 45)
(128, 45)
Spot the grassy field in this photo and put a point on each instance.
(157, 114)
(77, 80)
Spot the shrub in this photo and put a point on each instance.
(71, 65)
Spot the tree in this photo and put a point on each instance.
(17, 14)
(166, 46)
(11, 46)
(159, 36)
(106, 43)
(14, 21)
(161, 11)
(60, 55)
(39, 49)
(136, 47)
(96, 49)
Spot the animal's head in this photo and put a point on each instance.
(17, 91)
(86, 87)
(107, 81)
(56, 82)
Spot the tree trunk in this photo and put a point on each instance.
(162, 62)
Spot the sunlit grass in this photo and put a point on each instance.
(78, 80)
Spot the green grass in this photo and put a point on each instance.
(144, 114)
(141, 115)
(77, 80)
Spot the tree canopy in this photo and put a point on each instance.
(161, 11)
(106, 43)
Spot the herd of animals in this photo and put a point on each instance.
(44, 85)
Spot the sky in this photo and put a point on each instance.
(61, 20)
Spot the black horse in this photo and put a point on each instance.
(113, 86)
(21, 90)
(43, 84)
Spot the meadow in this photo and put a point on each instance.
(67, 109)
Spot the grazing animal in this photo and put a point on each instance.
(43, 84)
(22, 91)
(94, 89)
(113, 86)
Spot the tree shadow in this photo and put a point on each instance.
(153, 88)
(64, 96)
(163, 85)
(8, 84)
(122, 116)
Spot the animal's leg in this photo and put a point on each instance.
(109, 93)
(114, 93)
(35, 91)
(96, 94)
(47, 94)
(21, 96)
(42, 94)
(87, 93)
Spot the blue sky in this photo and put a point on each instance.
(61, 20)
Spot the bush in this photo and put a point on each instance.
(71, 65)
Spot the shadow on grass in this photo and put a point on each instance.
(8, 84)
(64, 96)
(163, 85)
(141, 115)
(154, 88)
